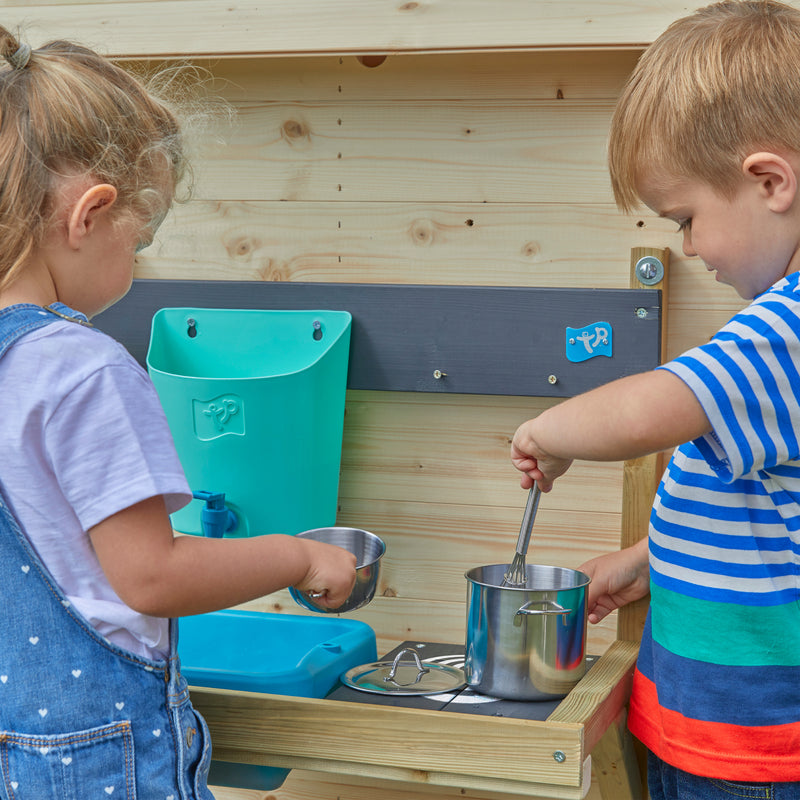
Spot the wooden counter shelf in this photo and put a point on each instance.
(433, 748)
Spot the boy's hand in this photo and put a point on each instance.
(618, 578)
(534, 462)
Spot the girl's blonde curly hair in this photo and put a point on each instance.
(66, 110)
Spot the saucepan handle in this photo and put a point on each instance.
(551, 608)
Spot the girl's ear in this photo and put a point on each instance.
(775, 178)
(90, 206)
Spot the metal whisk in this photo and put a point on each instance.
(517, 574)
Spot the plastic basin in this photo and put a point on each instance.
(272, 653)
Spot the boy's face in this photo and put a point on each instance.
(739, 238)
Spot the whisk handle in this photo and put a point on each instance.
(527, 519)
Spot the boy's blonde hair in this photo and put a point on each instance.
(66, 110)
(714, 87)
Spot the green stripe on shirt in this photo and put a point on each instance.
(725, 633)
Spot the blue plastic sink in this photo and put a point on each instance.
(273, 653)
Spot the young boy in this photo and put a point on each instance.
(707, 133)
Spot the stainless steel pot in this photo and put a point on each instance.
(526, 642)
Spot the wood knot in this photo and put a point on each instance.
(242, 247)
(410, 6)
(272, 271)
(422, 232)
(531, 249)
(295, 131)
(389, 592)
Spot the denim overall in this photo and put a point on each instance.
(82, 719)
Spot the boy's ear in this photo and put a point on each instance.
(90, 206)
(775, 178)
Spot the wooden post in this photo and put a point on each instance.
(616, 765)
(641, 475)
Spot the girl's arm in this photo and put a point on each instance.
(163, 575)
(624, 419)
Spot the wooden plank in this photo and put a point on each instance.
(442, 339)
(430, 546)
(304, 785)
(454, 451)
(455, 243)
(196, 27)
(598, 699)
(399, 619)
(540, 75)
(483, 151)
(412, 745)
(641, 475)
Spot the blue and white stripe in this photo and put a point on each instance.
(726, 522)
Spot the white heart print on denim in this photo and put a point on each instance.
(67, 732)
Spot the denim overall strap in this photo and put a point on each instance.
(79, 716)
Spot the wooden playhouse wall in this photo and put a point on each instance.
(474, 154)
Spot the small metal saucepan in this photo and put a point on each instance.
(368, 550)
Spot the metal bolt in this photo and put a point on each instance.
(438, 374)
(641, 313)
(560, 756)
(552, 380)
(572, 340)
(649, 270)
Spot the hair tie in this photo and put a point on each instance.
(20, 58)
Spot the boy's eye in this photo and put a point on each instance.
(684, 224)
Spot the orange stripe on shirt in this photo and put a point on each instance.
(713, 749)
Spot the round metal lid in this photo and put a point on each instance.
(404, 677)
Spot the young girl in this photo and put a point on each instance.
(92, 703)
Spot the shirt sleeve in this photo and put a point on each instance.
(111, 446)
(746, 379)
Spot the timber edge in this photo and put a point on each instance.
(417, 746)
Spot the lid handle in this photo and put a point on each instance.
(396, 663)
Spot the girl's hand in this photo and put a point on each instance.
(618, 578)
(331, 574)
(533, 461)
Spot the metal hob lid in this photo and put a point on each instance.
(404, 677)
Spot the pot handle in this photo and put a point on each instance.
(553, 608)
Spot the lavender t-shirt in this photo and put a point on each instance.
(83, 436)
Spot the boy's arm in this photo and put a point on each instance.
(624, 419)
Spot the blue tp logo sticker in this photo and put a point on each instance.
(590, 341)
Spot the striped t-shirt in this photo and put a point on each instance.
(717, 686)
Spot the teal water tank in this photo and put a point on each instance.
(255, 402)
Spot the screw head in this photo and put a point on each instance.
(649, 270)
(560, 756)
(552, 380)
(641, 313)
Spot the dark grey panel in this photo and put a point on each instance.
(487, 339)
